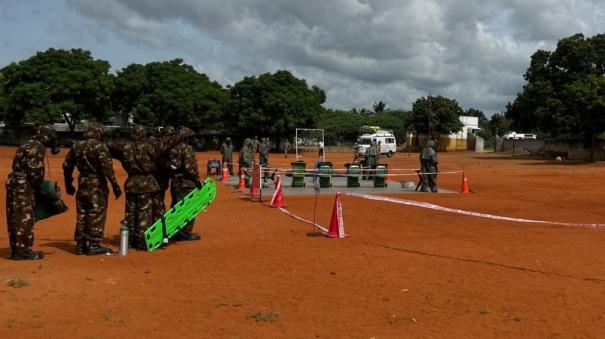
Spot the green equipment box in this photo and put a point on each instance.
(380, 176)
(299, 169)
(353, 173)
(324, 170)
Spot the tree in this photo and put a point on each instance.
(379, 107)
(273, 104)
(169, 93)
(341, 126)
(57, 84)
(562, 95)
(435, 115)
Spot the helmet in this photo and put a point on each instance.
(247, 142)
(167, 130)
(139, 132)
(94, 130)
(48, 137)
(430, 143)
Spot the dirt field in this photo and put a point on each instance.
(404, 272)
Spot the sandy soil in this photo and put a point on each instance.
(404, 272)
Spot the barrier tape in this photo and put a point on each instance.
(336, 174)
(283, 210)
(464, 212)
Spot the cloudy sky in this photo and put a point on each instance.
(359, 51)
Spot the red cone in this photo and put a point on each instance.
(465, 188)
(278, 196)
(225, 174)
(242, 180)
(337, 227)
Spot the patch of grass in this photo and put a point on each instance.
(263, 316)
(16, 282)
(483, 311)
(108, 315)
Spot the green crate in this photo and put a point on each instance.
(324, 170)
(299, 169)
(380, 176)
(353, 173)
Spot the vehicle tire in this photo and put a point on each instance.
(390, 154)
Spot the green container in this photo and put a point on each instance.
(325, 174)
(380, 176)
(299, 169)
(48, 201)
(353, 172)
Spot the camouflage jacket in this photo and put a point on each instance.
(183, 164)
(91, 157)
(245, 156)
(264, 149)
(139, 158)
(429, 155)
(29, 161)
(226, 150)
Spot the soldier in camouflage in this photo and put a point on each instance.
(227, 154)
(245, 155)
(162, 176)
(429, 167)
(92, 159)
(26, 178)
(139, 157)
(264, 156)
(185, 177)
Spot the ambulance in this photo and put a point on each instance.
(385, 138)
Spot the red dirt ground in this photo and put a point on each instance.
(405, 272)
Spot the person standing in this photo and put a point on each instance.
(227, 154)
(429, 167)
(22, 184)
(264, 157)
(139, 159)
(162, 176)
(185, 177)
(286, 148)
(356, 153)
(92, 159)
(321, 149)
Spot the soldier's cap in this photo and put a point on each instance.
(94, 130)
(430, 143)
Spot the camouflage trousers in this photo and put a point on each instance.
(91, 209)
(139, 215)
(20, 205)
(177, 193)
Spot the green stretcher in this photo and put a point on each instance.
(178, 216)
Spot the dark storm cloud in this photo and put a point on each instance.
(359, 51)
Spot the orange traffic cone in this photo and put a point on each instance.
(242, 180)
(465, 188)
(278, 196)
(337, 227)
(225, 174)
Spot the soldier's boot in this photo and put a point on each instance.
(95, 249)
(27, 256)
(81, 247)
(186, 236)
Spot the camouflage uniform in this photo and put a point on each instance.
(162, 176)
(286, 148)
(227, 153)
(264, 152)
(185, 177)
(245, 155)
(26, 178)
(372, 154)
(92, 159)
(428, 164)
(139, 158)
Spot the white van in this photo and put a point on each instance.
(519, 136)
(388, 144)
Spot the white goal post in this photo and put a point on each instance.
(309, 137)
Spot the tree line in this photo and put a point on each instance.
(564, 96)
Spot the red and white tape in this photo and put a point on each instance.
(470, 213)
(285, 211)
